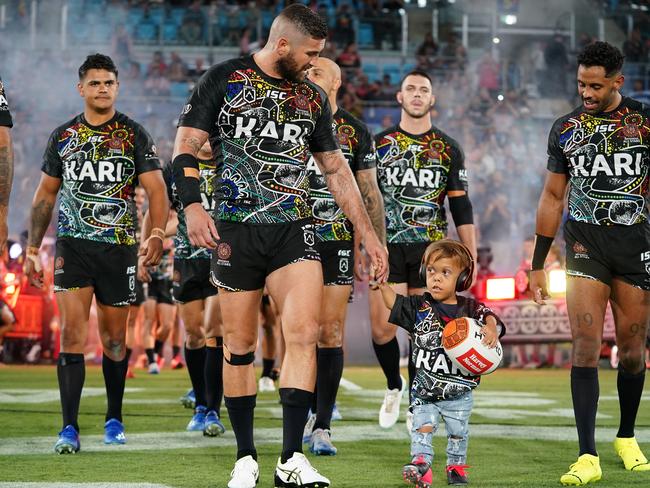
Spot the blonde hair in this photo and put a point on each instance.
(447, 248)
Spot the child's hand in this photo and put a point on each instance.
(372, 279)
(490, 334)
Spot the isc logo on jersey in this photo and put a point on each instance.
(102, 171)
(617, 164)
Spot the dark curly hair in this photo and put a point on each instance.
(603, 54)
(305, 20)
(417, 72)
(97, 61)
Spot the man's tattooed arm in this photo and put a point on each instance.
(6, 166)
(42, 205)
(367, 182)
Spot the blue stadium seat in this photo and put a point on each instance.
(146, 32)
(179, 89)
(79, 31)
(170, 32)
(365, 36)
(176, 15)
(134, 16)
(244, 18)
(267, 19)
(156, 15)
(371, 71)
(102, 32)
(394, 71)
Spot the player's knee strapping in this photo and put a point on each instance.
(239, 359)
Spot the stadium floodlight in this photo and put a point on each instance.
(510, 19)
(15, 250)
(496, 40)
(500, 97)
(422, 3)
(557, 281)
(10, 277)
(500, 288)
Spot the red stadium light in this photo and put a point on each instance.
(10, 277)
(500, 288)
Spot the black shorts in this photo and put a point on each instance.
(192, 280)
(337, 259)
(108, 268)
(140, 295)
(604, 252)
(404, 261)
(247, 253)
(160, 290)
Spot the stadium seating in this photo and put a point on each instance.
(146, 32)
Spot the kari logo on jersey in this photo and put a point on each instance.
(617, 164)
(102, 171)
(436, 362)
(252, 126)
(423, 178)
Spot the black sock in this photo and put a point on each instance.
(267, 366)
(176, 350)
(630, 388)
(150, 357)
(388, 357)
(328, 377)
(585, 392)
(114, 378)
(128, 354)
(71, 372)
(295, 407)
(241, 411)
(195, 360)
(158, 347)
(411, 369)
(214, 376)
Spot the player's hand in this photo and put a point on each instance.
(490, 333)
(538, 286)
(33, 268)
(200, 227)
(361, 264)
(143, 272)
(151, 251)
(378, 256)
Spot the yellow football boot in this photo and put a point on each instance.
(585, 470)
(630, 452)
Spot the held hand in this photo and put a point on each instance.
(200, 227)
(490, 334)
(378, 256)
(33, 268)
(538, 286)
(151, 252)
(361, 264)
(143, 272)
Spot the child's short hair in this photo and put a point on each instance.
(448, 248)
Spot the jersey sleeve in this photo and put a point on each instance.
(146, 158)
(404, 311)
(202, 108)
(366, 156)
(52, 163)
(322, 138)
(457, 179)
(557, 161)
(5, 114)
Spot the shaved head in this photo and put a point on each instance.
(326, 74)
(295, 20)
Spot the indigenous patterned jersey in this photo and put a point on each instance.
(436, 377)
(358, 148)
(606, 157)
(264, 127)
(207, 171)
(415, 172)
(99, 168)
(5, 115)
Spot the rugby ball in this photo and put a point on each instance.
(461, 340)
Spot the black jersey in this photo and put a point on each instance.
(358, 148)
(5, 114)
(99, 168)
(415, 172)
(606, 158)
(264, 127)
(207, 171)
(436, 377)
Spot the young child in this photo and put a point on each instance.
(439, 389)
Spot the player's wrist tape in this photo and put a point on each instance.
(461, 210)
(188, 187)
(158, 233)
(542, 246)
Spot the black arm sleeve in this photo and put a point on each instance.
(461, 210)
(322, 138)
(404, 311)
(5, 114)
(145, 152)
(557, 161)
(52, 164)
(457, 179)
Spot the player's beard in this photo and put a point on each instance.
(289, 69)
(416, 115)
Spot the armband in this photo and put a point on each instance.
(542, 246)
(188, 187)
(461, 210)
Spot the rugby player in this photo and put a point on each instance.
(6, 164)
(334, 238)
(600, 153)
(96, 160)
(418, 166)
(264, 117)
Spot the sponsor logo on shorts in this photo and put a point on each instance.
(344, 265)
(58, 265)
(132, 283)
(223, 253)
(580, 251)
(308, 235)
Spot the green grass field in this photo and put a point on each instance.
(522, 434)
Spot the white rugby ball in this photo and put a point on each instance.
(461, 339)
